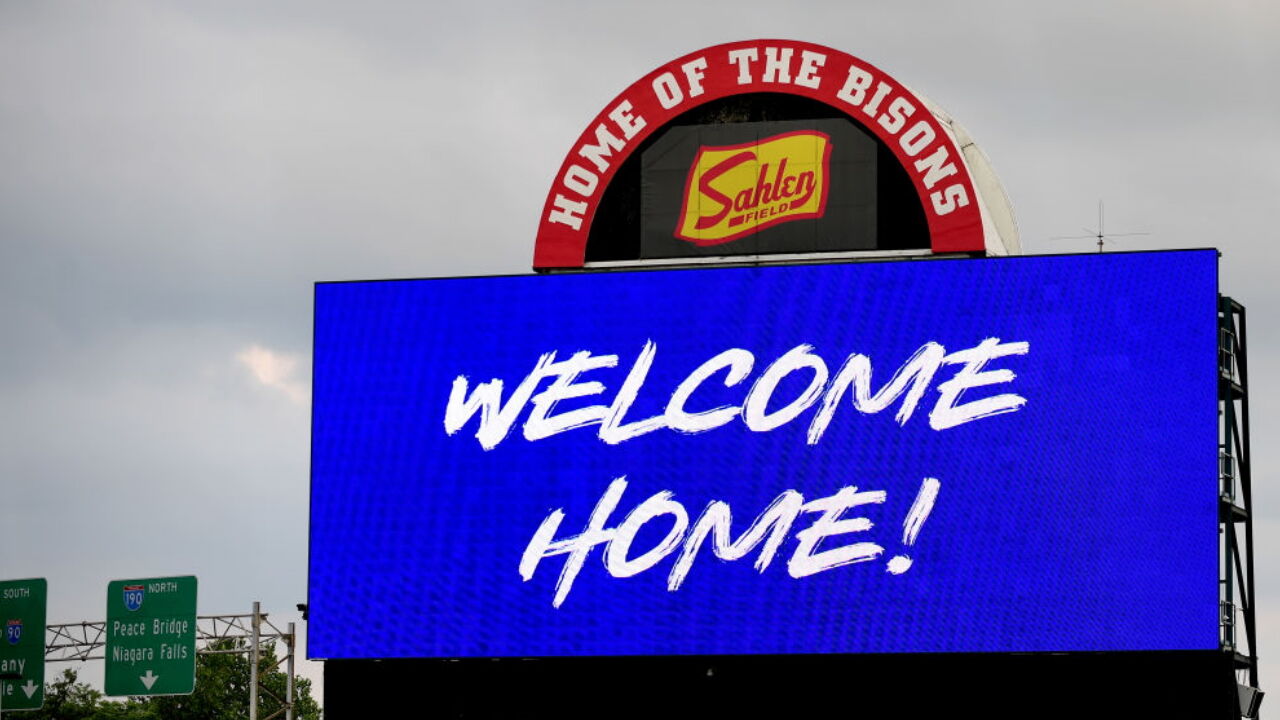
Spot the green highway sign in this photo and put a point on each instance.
(22, 611)
(151, 636)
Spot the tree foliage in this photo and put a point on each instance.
(222, 693)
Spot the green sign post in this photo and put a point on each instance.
(22, 611)
(151, 636)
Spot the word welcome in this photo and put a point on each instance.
(768, 531)
(908, 384)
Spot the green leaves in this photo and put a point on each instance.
(222, 693)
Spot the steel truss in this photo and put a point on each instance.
(1235, 506)
(215, 635)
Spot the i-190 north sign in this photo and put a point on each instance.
(861, 458)
(151, 636)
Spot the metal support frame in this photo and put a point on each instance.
(245, 634)
(254, 660)
(1235, 497)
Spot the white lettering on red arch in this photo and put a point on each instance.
(883, 106)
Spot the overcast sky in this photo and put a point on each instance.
(175, 176)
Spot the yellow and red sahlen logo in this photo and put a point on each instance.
(736, 190)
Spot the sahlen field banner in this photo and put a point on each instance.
(793, 186)
(983, 455)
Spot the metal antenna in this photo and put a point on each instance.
(1100, 234)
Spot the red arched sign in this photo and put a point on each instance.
(878, 102)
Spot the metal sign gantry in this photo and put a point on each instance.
(245, 634)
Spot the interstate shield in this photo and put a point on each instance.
(133, 595)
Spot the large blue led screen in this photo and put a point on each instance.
(984, 455)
